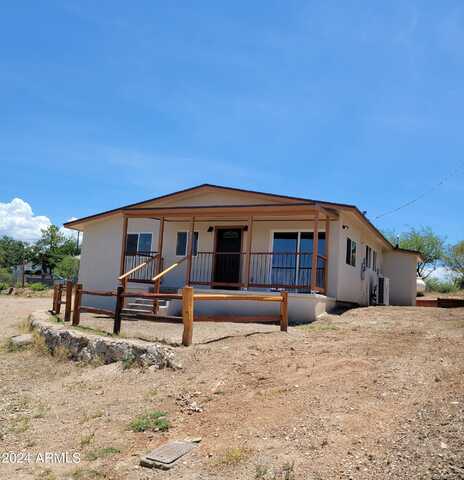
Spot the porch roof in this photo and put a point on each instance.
(234, 212)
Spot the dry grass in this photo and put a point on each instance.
(39, 345)
(232, 456)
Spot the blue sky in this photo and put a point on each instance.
(107, 103)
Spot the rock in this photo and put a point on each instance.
(193, 439)
(87, 347)
(22, 340)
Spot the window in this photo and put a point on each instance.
(138, 242)
(374, 260)
(292, 259)
(182, 242)
(368, 257)
(351, 252)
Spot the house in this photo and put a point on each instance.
(221, 238)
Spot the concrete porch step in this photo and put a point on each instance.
(140, 306)
(150, 316)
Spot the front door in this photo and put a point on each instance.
(227, 257)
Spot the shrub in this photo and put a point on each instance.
(3, 286)
(5, 277)
(440, 286)
(128, 361)
(38, 287)
(155, 420)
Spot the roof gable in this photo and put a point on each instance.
(213, 195)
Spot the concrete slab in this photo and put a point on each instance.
(166, 456)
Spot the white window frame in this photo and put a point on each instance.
(138, 239)
(187, 242)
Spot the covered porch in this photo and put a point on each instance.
(236, 247)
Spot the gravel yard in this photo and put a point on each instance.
(374, 393)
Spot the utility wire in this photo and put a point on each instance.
(456, 171)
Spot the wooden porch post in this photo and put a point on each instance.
(160, 252)
(248, 252)
(159, 265)
(327, 245)
(123, 245)
(315, 252)
(189, 252)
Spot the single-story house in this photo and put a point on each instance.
(221, 238)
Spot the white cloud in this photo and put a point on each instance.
(18, 221)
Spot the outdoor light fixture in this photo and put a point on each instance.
(345, 227)
(210, 229)
(245, 228)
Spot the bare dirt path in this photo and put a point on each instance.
(375, 393)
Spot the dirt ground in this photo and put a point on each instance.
(375, 393)
(458, 294)
(171, 333)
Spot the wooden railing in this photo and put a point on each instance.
(58, 299)
(146, 266)
(140, 266)
(290, 271)
(188, 298)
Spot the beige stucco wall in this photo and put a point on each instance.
(401, 269)
(352, 285)
(100, 258)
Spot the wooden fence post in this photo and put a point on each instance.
(67, 310)
(187, 315)
(117, 310)
(77, 304)
(55, 296)
(59, 299)
(284, 312)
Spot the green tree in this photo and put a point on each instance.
(454, 260)
(13, 252)
(67, 267)
(424, 240)
(51, 248)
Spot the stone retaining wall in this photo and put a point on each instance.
(87, 347)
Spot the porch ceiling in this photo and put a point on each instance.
(234, 212)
